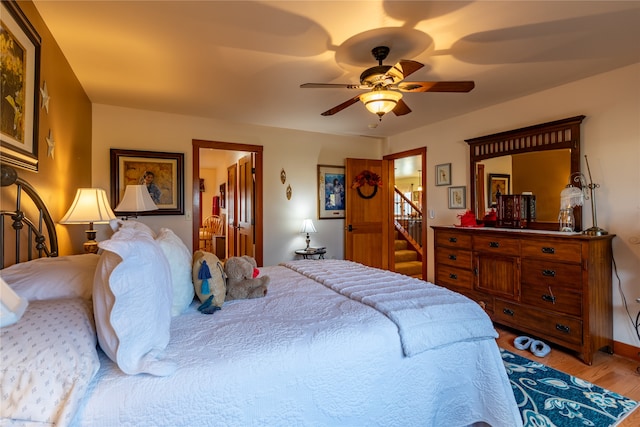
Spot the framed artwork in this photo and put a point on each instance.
(443, 174)
(457, 197)
(498, 183)
(223, 195)
(163, 173)
(20, 81)
(331, 192)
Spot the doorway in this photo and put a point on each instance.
(254, 199)
(408, 240)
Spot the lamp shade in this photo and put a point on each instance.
(136, 199)
(380, 102)
(308, 227)
(571, 197)
(90, 206)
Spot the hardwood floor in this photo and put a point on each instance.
(612, 372)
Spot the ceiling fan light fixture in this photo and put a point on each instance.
(380, 101)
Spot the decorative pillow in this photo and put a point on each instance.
(215, 287)
(12, 307)
(52, 278)
(118, 224)
(132, 299)
(179, 258)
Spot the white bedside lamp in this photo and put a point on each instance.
(90, 206)
(307, 227)
(136, 199)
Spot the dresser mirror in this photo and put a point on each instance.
(537, 159)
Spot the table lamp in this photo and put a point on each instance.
(307, 227)
(90, 206)
(136, 199)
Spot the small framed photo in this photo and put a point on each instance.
(162, 173)
(498, 183)
(457, 197)
(443, 174)
(331, 192)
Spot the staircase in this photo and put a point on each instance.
(406, 259)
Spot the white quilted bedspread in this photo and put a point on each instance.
(303, 355)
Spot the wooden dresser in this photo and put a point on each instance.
(549, 285)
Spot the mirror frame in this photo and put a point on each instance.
(559, 134)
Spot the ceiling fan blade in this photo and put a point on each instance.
(461, 86)
(401, 108)
(402, 70)
(333, 86)
(342, 106)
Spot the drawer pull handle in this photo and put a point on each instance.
(549, 273)
(510, 312)
(563, 328)
(549, 298)
(547, 250)
(453, 276)
(453, 257)
(453, 239)
(494, 244)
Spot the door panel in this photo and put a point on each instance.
(245, 240)
(232, 223)
(367, 216)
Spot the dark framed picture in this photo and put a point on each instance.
(443, 174)
(223, 195)
(162, 173)
(457, 197)
(20, 81)
(331, 192)
(498, 183)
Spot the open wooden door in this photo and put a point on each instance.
(245, 209)
(367, 214)
(232, 213)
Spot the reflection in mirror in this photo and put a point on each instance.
(543, 174)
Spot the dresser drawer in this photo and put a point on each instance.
(552, 298)
(551, 274)
(454, 257)
(456, 277)
(553, 250)
(564, 328)
(485, 301)
(453, 239)
(496, 244)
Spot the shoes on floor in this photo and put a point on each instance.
(538, 348)
(522, 343)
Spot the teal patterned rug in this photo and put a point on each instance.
(547, 397)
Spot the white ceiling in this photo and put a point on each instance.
(243, 61)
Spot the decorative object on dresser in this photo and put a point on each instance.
(90, 206)
(549, 285)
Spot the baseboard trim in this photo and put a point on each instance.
(626, 350)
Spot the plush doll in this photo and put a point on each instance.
(242, 280)
(208, 281)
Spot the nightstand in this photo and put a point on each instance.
(311, 252)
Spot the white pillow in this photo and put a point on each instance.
(12, 307)
(179, 258)
(117, 224)
(52, 278)
(132, 299)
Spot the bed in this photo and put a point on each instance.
(333, 343)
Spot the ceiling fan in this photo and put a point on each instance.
(385, 84)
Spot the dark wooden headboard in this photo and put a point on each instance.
(27, 230)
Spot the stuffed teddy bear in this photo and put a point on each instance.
(242, 280)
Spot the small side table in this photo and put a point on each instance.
(311, 252)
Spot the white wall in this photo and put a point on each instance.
(610, 138)
(297, 152)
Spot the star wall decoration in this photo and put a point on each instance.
(51, 144)
(45, 97)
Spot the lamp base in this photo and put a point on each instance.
(90, 246)
(595, 231)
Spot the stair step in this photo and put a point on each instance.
(399, 245)
(411, 268)
(406, 255)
